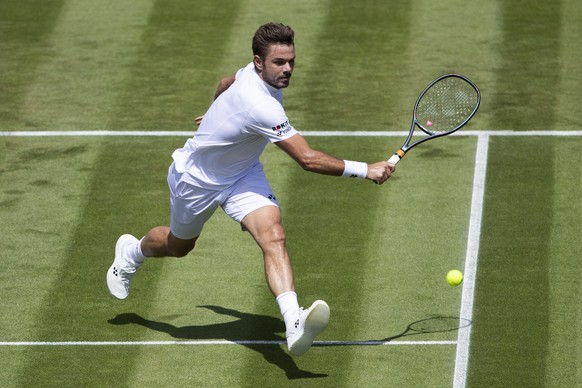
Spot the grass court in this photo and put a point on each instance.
(84, 88)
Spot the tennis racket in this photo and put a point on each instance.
(443, 107)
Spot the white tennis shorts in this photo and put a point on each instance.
(192, 206)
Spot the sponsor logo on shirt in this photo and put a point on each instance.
(282, 128)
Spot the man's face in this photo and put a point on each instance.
(278, 65)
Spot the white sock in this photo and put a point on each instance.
(289, 306)
(135, 253)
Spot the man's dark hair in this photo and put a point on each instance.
(270, 34)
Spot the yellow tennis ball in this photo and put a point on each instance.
(454, 277)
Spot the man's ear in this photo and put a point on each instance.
(258, 63)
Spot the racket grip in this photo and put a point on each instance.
(394, 159)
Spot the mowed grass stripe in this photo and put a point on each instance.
(92, 46)
(331, 262)
(526, 98)
(42, 191)
(452, 37)
(174, 75)
(307, 19)
(25, 29)
(564, 355)
(455, 37)
(359, 78)
(334, 93)
(512, 291)
(115, 203)
(79, 305)
(419, 234)
(570, 69)
(304, 16)
(329, 222)
(70, 87)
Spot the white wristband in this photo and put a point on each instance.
(355, 169)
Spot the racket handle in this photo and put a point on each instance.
(394, 159)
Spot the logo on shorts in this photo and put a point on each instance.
(272, 197)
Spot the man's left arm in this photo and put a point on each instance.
(222, 86)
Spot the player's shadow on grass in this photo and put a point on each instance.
(243, 331)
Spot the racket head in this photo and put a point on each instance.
(446, 105)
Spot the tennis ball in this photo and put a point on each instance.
(454, 277)
(429, 123)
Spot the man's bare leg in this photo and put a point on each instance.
(130, 254)
(302, 326)
(264, 224)
(160, 242)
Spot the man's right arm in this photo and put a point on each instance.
(319, 162)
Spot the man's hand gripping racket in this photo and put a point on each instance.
(443, 107)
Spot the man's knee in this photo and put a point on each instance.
(277, 234)
(273, 237)
(265, 226)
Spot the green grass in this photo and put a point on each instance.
(528, 288)
(25, 37)
(168, 294)
(377, 255)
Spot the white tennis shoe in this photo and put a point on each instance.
(121, 272)
(308, 324)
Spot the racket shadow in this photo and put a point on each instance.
(426, 326)
(432, 325)
(242, 331)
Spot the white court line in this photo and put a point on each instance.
(304, 133)
(221, 342)
(464, 336)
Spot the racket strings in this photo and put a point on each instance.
(446, 105)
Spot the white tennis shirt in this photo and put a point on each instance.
(234, 133)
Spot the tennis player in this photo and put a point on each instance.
(219, 167)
